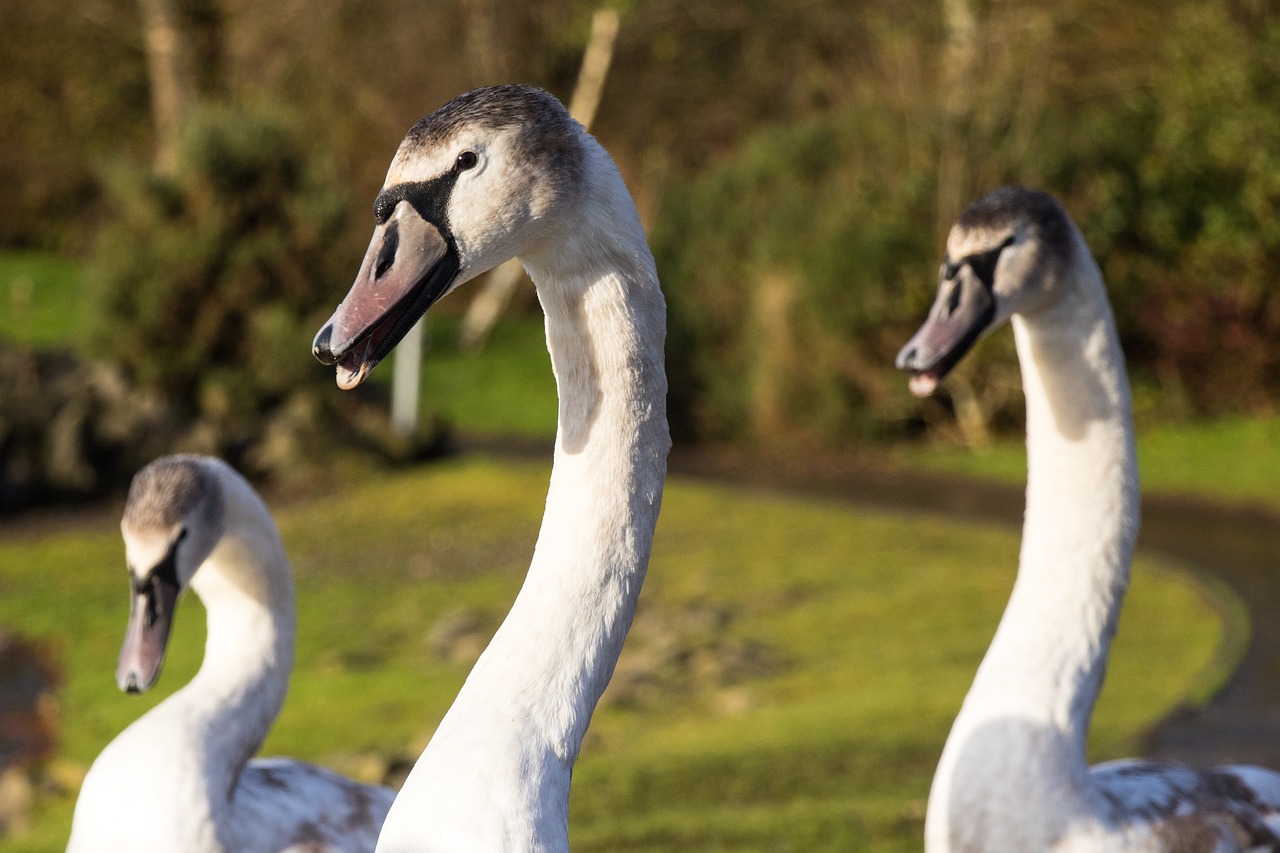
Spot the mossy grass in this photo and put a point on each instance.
(870, 627)
(1231, 459)
(40, 299)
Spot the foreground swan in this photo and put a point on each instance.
(497, 173)
(1013, 775)
(180, 778)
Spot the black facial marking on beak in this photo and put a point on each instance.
(151, 612)
(964, 308)
(411, 262)
(429, 198)
(983, 264)
(387, 255)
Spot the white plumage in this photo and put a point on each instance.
(180, 778)
(495, 173)
(1013, 775)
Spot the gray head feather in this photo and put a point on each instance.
(549, 136)
(1007, 208)
(170, 490)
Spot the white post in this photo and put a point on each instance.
(406, 382)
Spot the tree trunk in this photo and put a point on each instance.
(958, 83)
(169, 70)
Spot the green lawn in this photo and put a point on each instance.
(788, 684)
(1235, 459)
(40, 298)
(506, 389)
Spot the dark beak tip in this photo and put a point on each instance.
(908, 357)
(320, 347)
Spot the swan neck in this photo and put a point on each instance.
(1082, 504)
(247, 589)
(496, 773)
(1018, 745)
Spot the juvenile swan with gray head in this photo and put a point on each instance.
(1013, 775)
(180, 777)
(493, 174)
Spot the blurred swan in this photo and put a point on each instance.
(492, 174)
(1013, 775)
(180, 777)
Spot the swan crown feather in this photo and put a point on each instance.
(169, 490)
(1010, 207)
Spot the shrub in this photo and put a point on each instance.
(208, 286)
(797, 266)
(794, 272)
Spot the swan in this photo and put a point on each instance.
(180, 778)
(1013, 774)
(497, 173)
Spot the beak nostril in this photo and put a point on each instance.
(387, 255)
(953, 301)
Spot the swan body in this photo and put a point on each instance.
(1013, 774)
(180, 777)
(493, 174)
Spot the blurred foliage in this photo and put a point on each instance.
(780, 284)
(1199, 252)
(218, 277)
(208, 286)
(799, 264)
(799, 162)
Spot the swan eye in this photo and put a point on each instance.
(467, 160)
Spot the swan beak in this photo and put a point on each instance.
(963, 310)
(150, 618)
(409, 265)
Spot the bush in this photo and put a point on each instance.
(794, 273)
(209, 285)
(1199, 250)
(797, 267)
(223, 270)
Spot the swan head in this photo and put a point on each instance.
(1005, 255)
(480, 180)
(173, 518)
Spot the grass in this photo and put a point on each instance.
(507, 389)
(1232, 459)
(40, 299)
(865, 631)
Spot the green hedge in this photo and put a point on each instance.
(798, 265)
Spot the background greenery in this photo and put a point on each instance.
(798, 164)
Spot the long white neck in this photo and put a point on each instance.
(1018, 746)
(496, 774)
(247, 590)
